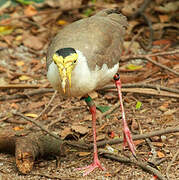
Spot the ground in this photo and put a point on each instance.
(23, 71)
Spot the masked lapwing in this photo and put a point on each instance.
(83, 57)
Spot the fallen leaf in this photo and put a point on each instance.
(103, 108)
(15, 106)
(164, 107)
(30, 10)
(133, 67)
(31, 115)
(20, 63)
(33, 42)
(65, 132)
(138, 105)
(168, 7)
(18, 128)
(93, 94)
(173, 81)
(61, 22)
(66, 4)
(35, 105)
(79, 129)
(5, 30)
(161, 42)
(164, 18)
(100, 137)
(138, 142)
(108, 174)
(160, 154)
(158, 144)
(82, 154)
(24, 78)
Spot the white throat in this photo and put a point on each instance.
(83, 80)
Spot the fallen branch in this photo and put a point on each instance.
(137, 137)
(147, 57)
(165, 53)
(141, 164)
(20, 86)
(26, 95)
(27, 147)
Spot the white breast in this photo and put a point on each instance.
(83, 80)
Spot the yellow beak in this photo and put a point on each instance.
(65, 74)
(65, 67)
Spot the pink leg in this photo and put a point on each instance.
(127, 134)
(96, 162)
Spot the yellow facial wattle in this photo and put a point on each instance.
(65, 67)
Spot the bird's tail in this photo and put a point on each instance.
(115, 16)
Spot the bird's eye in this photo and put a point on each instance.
(74, 61)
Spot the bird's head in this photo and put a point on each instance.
(65, 59)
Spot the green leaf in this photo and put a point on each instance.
(138, 105)
(28, 2)
(88, 12)
(103, 108)
(133, 67)
(5, 30)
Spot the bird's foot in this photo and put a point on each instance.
(128, 140)
(91, 167)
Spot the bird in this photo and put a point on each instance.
(83, 57)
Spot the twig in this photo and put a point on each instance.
(141, 85)
(141, 9)
(45, 109)
(19, 86)
(31, 93)
(80, 145)
(37, 124)
(170, 164)
(141, 164)
(137, 137)
(147, 57)
(132, 41)
(149, 23)
(125, 58)
(161, 66)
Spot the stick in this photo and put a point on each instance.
(141, 85)
(26, 95)
(170, 164)
(141, 164)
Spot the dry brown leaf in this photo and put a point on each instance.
(173, 81)
(24, 78)
(30, 10)
(65, 132)
(18, 128)
(19, 63)
(82, 154)
(160, 154)
(100, 137)
(79, 129)
(164, 106)
(66, 4)
(131, 6)
(33, 42)
(138, 142)
(34, 105)
(164, 18)
(158, 144)
(93, 94)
